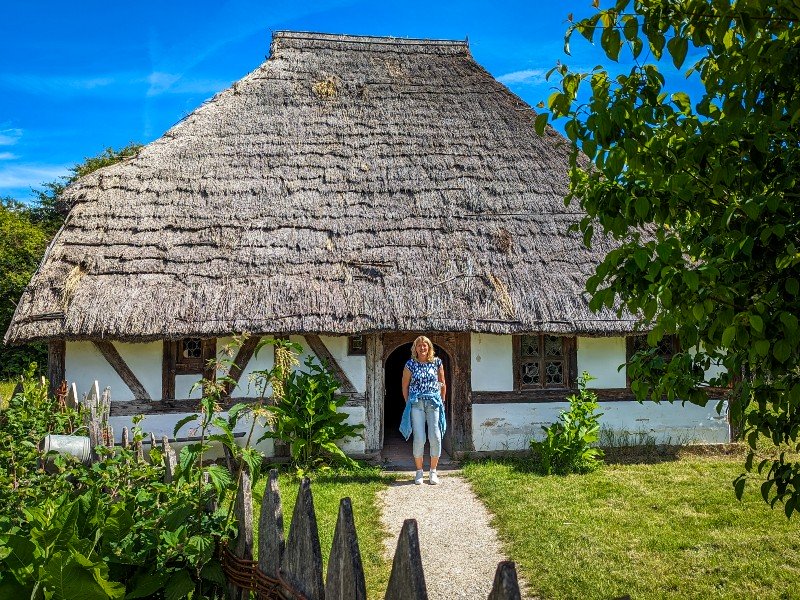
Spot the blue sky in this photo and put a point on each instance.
(76, 78)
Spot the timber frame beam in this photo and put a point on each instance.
(321, 350)
(122, 369)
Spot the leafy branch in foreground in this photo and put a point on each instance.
(702, 195)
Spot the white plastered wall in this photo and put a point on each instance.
(84, 364)
(492, 362)
(601, 358)
(511, 426)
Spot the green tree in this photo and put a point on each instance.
(23, 244)
(50, 209)
(25, 232)
(702, 193)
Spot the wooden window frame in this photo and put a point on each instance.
(352, 350)
(569, 350)
(174, 363)
(630, 350)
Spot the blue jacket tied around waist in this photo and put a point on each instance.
(413, 398)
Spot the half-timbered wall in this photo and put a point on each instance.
(85, 363)
(507, 419)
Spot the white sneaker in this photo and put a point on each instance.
(418, 478)
(433, 478)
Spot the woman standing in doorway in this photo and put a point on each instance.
(424, 391)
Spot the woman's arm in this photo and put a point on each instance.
(442, 382)
(406, 382)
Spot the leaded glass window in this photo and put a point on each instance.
(542, 361)
(192, 348)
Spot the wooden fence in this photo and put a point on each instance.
(291, 568)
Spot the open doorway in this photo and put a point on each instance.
(394, 402)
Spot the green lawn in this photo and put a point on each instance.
(362, 489)
(667, 530)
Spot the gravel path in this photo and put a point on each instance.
(460, 551)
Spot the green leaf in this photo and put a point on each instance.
(782, 350)
(67, 580)
(757, 323)
(21, 557)
(738, 486)
(147, 585)
(212, 571)
(681, 100)
(182, 422)
(540, 123)
(677, 47)
(761, 347)
(179, 586)
(728, 336)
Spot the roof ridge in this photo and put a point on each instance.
(365, 39)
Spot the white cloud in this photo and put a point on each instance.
(9, 137)
(7, 156)
(172, 83)
(527, 76)
(28, 175)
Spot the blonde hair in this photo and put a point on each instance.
(431, 353)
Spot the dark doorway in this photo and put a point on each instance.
(394, 402)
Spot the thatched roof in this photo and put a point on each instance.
(348, 184)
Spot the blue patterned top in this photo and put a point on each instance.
(424, 377)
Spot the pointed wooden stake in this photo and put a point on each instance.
(506, 586)
(407, 581)
(271, 545)
(302, 560)
(345, 578)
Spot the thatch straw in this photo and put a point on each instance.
(278, 208)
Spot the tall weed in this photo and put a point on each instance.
(567, 445)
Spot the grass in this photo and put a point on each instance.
(6, 389)
(672, 529)
(362, 488)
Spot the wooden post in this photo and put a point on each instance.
(345, 578)
(124, 439)
(243, 544)
(506, 586)
(407, 580)
(73, 400)
(271, 545)
(56, 369)
(301, 568)
(374, 396)
(170, 460)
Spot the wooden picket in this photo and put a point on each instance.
(293, 568)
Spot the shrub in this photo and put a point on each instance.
(309, 420)
(567, 446)
(112, 529)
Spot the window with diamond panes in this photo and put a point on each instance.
(192, 354)
(542, 362)
(192, 348)
(666, 348)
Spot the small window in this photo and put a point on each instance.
(666, 348)
(188, 356)
(356, 345)
(543, 361)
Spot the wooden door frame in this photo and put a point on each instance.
(457, 346)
